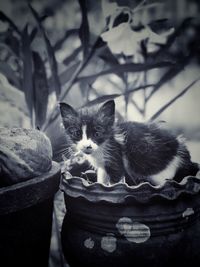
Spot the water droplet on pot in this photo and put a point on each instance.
(188, 212)
(89, 243)
(133, 231)
(109, 243)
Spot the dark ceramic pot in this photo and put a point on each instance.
(124, 226)
(26, 219)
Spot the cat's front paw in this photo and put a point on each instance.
(103, 177)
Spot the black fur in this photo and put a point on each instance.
(147, 148)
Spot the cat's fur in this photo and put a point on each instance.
(137, 151)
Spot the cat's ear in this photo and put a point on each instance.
(106, 112)
(67, 110)
(68, 114)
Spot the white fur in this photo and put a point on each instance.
(96, 158)
(181, 139)
(84, 128)
(120, 138)
(85, 142)
(102, 176)
(168, 173)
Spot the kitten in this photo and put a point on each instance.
(137, 151)
(91, 132)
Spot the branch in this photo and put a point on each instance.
(55, 113)
(141, 87)
(4, 18)
(73, 56)
(68, 33)
(170, 74)
(130, 67)
(136, 106)
(157, 114)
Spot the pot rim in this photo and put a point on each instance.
(28, 193)
(77, 187)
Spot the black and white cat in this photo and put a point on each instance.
(137, 151)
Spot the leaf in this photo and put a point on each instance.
(33, 34)
(11, 41)
(170, 74)
(84, 32)
(130, 91)
(54, 113)
(157, 114)
(97, 44)
(68, 33)
(6, 70)
(110, 59)
(50, 53)
(108, 8)
(67, 74)
(112, 96)
(27, 82)
(5, 18)
(72, 57)
(130, 67)
(137, 107)
(172, 38)
(100, 100)
(41, 90)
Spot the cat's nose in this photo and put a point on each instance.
(87, 149)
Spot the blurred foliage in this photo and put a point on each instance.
(58, 51)
(85, 52)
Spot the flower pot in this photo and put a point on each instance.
(130, 226)
(26, 219)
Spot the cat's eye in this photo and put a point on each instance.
(75, 132)
(98, 131)
(97, 134)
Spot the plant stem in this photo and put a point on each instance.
(173, 100)
(129, 67)
(53, 115)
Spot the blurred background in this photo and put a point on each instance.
(143, 54)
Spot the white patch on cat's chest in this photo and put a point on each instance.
(96, 159)
(168, 173)
(102, 176)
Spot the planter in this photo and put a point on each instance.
(26, 219)
(125, 226)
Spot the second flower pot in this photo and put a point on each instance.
(26, 218)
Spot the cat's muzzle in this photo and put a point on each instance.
(87, 150)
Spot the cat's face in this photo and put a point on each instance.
(88, 128)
